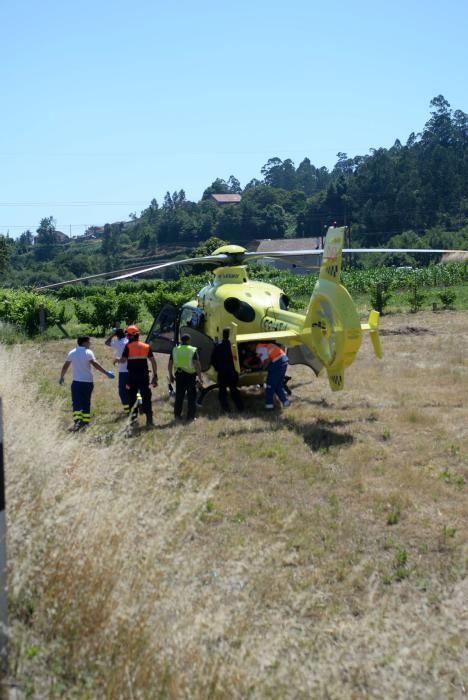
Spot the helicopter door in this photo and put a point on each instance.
(163, 331)
(301, 355)
(202, 342)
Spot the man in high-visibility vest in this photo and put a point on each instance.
(136, 354)
(184, 363)
(275, 360)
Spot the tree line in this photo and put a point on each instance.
(412, 194)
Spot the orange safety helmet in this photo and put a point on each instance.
(133, 330)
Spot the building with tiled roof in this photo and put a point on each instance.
(226, 198)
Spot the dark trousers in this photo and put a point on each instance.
(81, 401)
(275, 380)
(123, 391)
(185, 384)
(140, 384)
(229, 381)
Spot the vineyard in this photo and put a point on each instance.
(98, 307)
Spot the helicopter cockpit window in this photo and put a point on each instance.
(240, 309)
(165, 322)
(284, 302)
(192, 316)
(161, 335)
(198, 316)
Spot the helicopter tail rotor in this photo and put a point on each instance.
(332, 328)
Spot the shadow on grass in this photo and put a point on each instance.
(320, 435)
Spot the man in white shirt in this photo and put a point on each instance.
(82, 360)
(118, 340)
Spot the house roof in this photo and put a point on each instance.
(226, 198)
(59, 236)
(288, 244)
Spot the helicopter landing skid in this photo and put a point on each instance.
(206, 389)
(203, 392)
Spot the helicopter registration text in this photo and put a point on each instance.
(272, 325)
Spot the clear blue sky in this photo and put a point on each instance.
(105, 105)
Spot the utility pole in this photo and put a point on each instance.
(42, 319)
(3, 562)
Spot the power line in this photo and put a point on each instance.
(72, 204)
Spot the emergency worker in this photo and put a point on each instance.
(82, 361)
(228, 378)
(275, 360)
(136, 354)
(185, 365)
(118, 340)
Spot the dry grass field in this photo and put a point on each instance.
(320, 552)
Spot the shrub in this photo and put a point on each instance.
(380, 296)
(21, 309)
(448, 298)
(416, 298)
(128, 308)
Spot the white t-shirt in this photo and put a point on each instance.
(119, 344)
(80, 358)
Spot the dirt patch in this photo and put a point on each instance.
(407, 330)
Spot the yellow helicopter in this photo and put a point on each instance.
(327, 336)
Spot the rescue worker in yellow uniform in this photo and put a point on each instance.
(275, 360)
(185, 365)
(136, 354)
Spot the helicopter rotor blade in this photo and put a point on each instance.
(438, 251)
(293, 255)
(132, 271)
(223, 258)
(319, 251)
(308, 263)
(207, 259)
(288, 256)
(277, 254)
(82, 279)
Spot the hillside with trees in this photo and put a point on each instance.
(412, 194)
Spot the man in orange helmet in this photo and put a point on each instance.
(136, 354)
